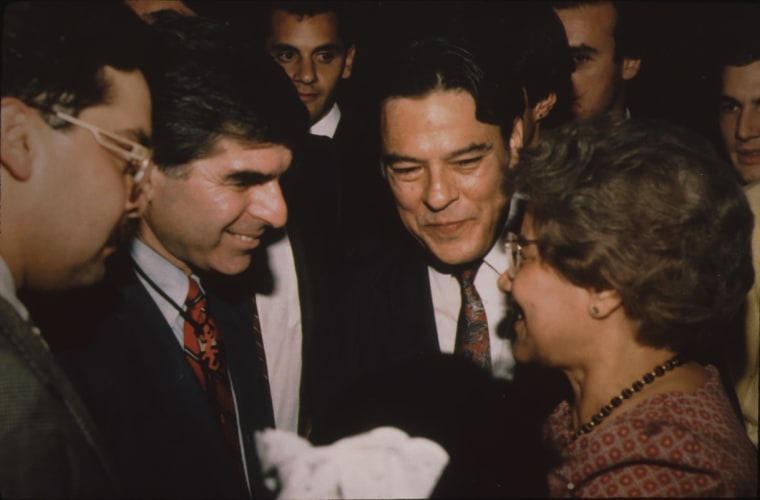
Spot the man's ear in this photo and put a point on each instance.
(349, 64)
(15, 129)
(135, 208)
(630, 68)
(543, 107)
(515, 142)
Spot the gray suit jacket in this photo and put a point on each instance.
(48, 444)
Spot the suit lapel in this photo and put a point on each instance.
(165, 372)
(38, 358)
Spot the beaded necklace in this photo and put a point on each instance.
(638, 385)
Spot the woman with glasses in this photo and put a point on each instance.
(633, 254)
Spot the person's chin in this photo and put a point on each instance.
(89, 274)
(454, 254)
(522, 349)
(232, 265)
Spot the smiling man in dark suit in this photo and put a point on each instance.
(174, 376)
(420, 314)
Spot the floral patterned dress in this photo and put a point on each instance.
(671, 444)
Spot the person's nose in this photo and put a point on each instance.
(267, 203)
(305, 72)
(748, 124)
(441, 189)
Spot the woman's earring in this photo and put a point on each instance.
(593, 311)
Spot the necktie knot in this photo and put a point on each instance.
(194, 293)
(466, 275)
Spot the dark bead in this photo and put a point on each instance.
(648, 378)
(617, 401)
(637, 386)
(659, 371)
(606, 410)
(627, 393)
(596, 419)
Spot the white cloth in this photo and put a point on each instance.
(280, 319)
(447, 301)
(328, 124)
(382, 463)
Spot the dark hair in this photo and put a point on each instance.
(646, 209)
(309, 9)
(55, 53)
(738, 37)
(210, 85)
(528, 43)
(438, 64)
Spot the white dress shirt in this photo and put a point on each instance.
(447, 301)
(280, 319)
(280, 316)
(327, 124)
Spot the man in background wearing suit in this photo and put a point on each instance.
(75, 134)
(739, 121)
(314, 43)
(175, 376)
(600, 38)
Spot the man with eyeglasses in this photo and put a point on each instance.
(175, 374)
(76, 123)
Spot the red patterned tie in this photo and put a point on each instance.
(204, 347)
(472, 328)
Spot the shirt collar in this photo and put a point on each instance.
(496, 258)
(165, 275)
(8, 290)
(327, 124)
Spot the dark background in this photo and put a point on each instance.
(678, 42)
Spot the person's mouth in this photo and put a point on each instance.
(308, 96)
(248, 239)
(447, 227)
(748, 156)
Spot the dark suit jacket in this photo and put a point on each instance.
(48, 443)
(158, 427)
(395, 374)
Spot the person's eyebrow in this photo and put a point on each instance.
(248, 178)
(472, 148)
(328, 47)
(280, 47)
(728, 98)
(583, 49)
(392, 158)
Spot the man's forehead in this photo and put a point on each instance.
(321, 26)
(744, 78)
